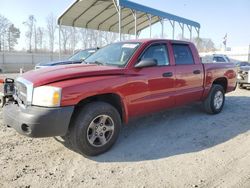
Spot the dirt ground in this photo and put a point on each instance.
(182, 147)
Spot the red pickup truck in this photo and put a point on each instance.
(87, 103)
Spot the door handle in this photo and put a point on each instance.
(196, 71)
(167, 74)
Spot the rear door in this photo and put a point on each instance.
(189, 74)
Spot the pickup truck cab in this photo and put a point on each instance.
(86, 104)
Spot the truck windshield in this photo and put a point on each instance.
(116, 54)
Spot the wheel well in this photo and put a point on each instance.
(111, 98)
(222, 82)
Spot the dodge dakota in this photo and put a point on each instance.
(86, 104)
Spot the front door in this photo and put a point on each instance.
(159, 80)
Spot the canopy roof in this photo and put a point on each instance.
(104, 15)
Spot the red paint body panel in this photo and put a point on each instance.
(141, 91)
(64, 72)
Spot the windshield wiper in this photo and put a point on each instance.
(84, 62)
(97, 62)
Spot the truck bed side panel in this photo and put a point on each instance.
(214, 71)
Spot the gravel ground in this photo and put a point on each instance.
(182, 147)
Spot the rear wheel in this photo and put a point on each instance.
(95, 129)
(215, 100)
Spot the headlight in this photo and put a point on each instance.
(47, 96)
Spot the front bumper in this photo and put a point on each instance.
(38, 121)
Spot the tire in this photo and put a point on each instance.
(214, 103)
(240, 86)
(2, 101)
(89, 123)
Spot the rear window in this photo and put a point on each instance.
(182, 54)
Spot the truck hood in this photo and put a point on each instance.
(58, 73)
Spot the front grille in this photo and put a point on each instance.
(21, 92)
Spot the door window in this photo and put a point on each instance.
(182, 54)
(157, 52)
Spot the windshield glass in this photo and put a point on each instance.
(116, 54)
(81, 55)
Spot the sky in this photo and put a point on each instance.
(217, 17)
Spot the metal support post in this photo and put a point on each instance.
(120, 22)
(60, 41)
(150, 25)
(190, 31)
(74, 39)
(162, 27)
(173, 27)
(182, 30)
(135, 25)
(135, 17)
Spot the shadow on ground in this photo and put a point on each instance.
(179, 131)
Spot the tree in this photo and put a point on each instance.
(30, 23)
(198, 42)
(65, 31)
(204, 45)
(209, 45)
(74, 39)
(40, 35)
(35, 38)
(12, 36)
(84, 37)
(109, 37)
(51, 28)
(4, 25)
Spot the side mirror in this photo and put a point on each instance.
(146, 63)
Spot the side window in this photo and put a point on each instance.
(157, 52)
(219, 59)
(182, 54)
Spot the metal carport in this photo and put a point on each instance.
(120, 16)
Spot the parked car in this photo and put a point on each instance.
(243, 77)
(77, 58)
(220, 58)
(87, 103)
(215, 58)
(242, 64)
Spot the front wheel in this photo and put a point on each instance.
(95, 129)
(215, 100)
